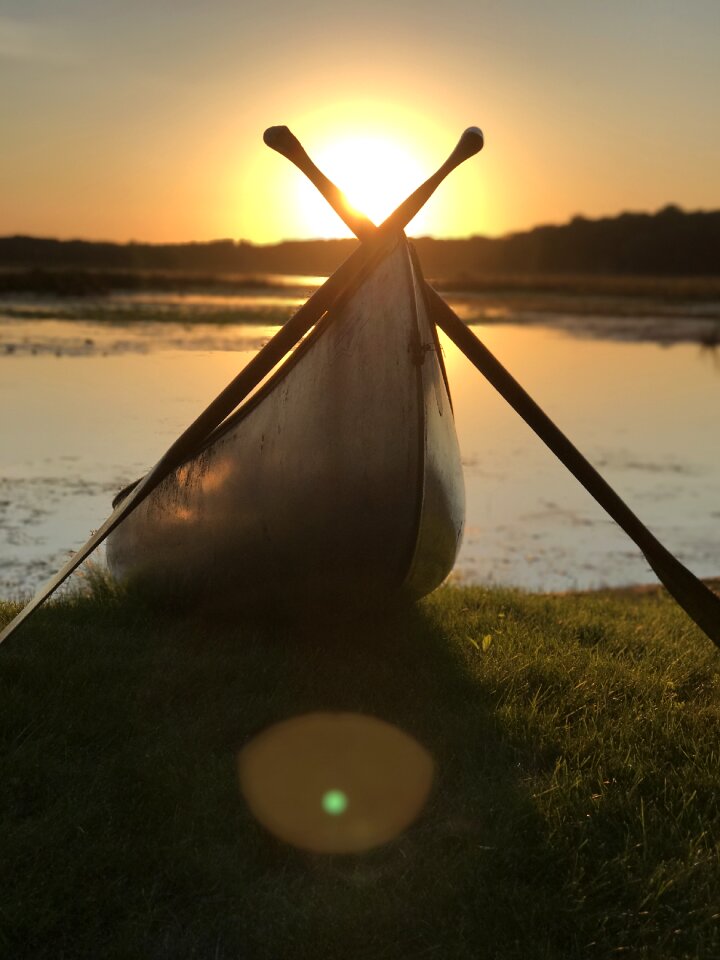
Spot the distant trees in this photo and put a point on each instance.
(669, 242)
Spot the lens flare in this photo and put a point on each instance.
(335, 782)
(334, 802)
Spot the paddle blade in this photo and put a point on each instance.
(697, 600)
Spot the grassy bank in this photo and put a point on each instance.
(575, 812)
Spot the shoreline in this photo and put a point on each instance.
(616, 317)
(628, 591)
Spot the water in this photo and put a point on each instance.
(645, 416)
(87, 405)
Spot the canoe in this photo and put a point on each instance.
(340, 478)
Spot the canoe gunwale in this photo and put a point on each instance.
(433, 327)
(418, 349)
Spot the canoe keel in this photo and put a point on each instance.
(339, 480)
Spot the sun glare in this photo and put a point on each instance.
(375, 174)
(377, 152)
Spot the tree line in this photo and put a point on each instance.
(670, 242)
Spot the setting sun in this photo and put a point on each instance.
(377, 152)
(375, 174)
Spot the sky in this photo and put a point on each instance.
(143, 120)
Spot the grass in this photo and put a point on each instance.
(575, 812)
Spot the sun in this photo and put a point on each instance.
(376, 151)
(375, 173)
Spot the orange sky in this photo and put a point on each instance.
(128, 120)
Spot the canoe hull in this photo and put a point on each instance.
(341, 478)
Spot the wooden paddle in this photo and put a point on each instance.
(340, 285)
(693, 596)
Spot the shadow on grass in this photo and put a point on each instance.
(126, 835)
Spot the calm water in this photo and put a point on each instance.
(86, 406)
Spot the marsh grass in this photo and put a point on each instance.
(575, 812)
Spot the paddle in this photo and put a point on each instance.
(358, 265)
(693, 596)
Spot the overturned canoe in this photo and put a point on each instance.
(340, 477)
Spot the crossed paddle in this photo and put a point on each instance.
(692, 595)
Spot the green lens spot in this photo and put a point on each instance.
(334, 802)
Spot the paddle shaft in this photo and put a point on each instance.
(345, 279)
(694, 597)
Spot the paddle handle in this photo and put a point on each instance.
(284, 142)
(470, 143)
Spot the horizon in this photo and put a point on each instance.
(146, 121)
(311, 239)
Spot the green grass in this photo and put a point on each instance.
(575, 812)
